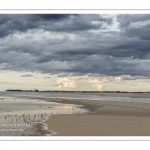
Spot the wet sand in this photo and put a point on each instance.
(105, 118)
(135, 95)
(99, 125)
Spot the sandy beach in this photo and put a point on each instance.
(105, 118)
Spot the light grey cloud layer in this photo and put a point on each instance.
(27, 75)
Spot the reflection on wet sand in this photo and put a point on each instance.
(24, 117)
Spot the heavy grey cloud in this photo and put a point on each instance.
(76, 45)
(126, 19)
(9, 24)
(142, 33)
(135, 25)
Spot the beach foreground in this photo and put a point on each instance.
(99, 125)
(105, 118)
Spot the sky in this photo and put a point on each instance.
(104, 52)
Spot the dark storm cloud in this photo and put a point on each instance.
(127, 19)
(142, 33)
(139, 31)
(76, 45)
(50, 16)
(9, 24)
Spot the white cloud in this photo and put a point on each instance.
(65, 83)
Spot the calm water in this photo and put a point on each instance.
(73, 95)
(19, 114)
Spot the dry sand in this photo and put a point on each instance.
(105, 118)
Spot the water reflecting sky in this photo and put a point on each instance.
(28, 112)
(73, 95)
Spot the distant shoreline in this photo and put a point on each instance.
(99, 93)
(74, 91)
